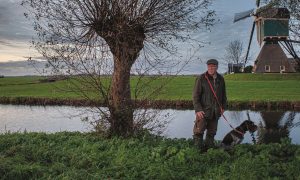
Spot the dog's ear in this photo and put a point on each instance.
(249, 122)
(252, 123)
(245, 122)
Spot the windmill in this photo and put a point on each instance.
(272, 27)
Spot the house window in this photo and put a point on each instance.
(282, 68)
(267, 68)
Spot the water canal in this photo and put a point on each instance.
(272, 125)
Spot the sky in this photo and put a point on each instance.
(16, 33)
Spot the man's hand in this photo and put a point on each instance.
(200, 114)
(222, 111)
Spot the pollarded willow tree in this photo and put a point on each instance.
(73, 34)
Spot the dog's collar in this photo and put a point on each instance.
(240, 131)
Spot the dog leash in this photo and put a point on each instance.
(221, 109)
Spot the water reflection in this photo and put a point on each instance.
(277, 125)
(41, 119)
(272, 125)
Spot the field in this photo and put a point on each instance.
(86, 156)
(240, 87)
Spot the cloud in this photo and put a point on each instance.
(13, 24)
(9, 44)
(15, 31)
(21, 68)
(5, 43)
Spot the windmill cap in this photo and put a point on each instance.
(212, 61)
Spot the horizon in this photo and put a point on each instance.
(16, 33)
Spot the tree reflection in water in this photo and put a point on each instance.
(277, 126)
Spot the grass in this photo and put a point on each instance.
(263, 87)
(87, 156)
(240, 87)
(32, 87)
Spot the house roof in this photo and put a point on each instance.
(267, 12)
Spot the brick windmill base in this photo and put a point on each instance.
(272, 59)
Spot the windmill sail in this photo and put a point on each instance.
(242, 15)
(250, 40)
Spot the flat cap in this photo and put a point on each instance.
(212, 61)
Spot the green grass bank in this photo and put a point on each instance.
(87, 156)
(242, 90)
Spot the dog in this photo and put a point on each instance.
(236, 136)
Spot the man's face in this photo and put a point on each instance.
(212, 69)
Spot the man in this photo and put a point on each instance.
(208, 109)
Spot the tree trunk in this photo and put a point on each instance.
(125, 43)
(120, 104)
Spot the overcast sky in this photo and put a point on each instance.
(16, 33)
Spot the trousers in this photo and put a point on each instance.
(203, 124)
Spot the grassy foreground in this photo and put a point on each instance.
(86, 156)
(240, 87)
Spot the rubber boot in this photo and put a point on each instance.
(198, 141)
(209, 141)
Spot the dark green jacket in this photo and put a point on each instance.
(203, 98)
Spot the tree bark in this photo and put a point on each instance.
(125, 50)
(120, 104)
